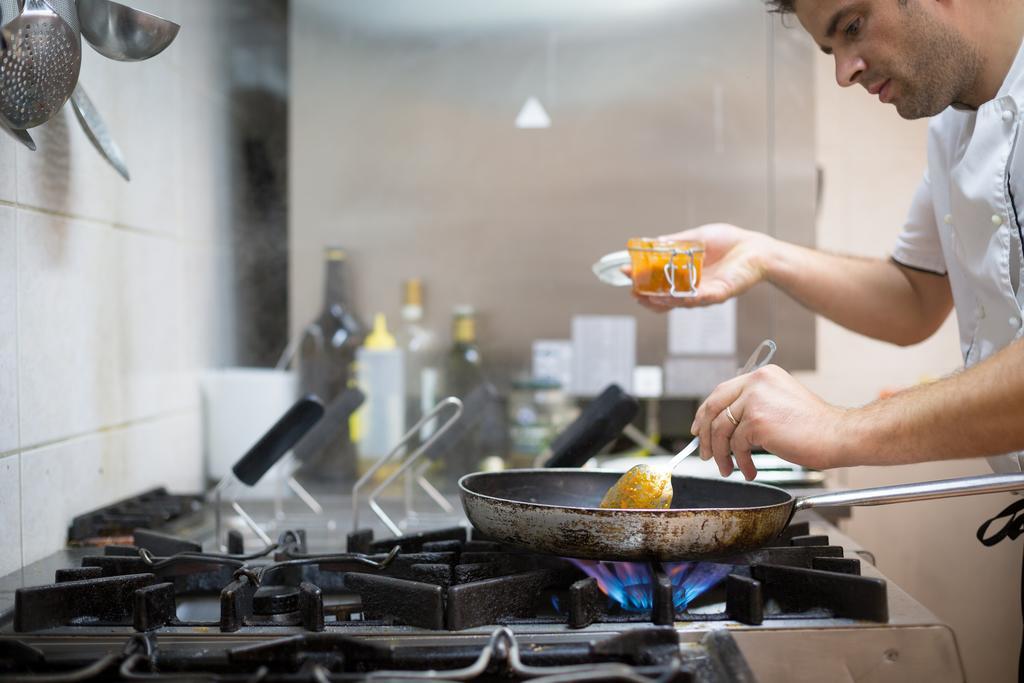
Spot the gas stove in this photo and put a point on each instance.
(320, 604)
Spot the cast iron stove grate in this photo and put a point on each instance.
(651, 654)
(441, 581)
(153, 509)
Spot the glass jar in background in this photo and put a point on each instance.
(538, 410)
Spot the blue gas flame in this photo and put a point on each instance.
(629, 584)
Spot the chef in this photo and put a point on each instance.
(961, 62)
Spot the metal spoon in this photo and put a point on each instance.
(124, 33)
(39, 69)
(96, 130)
(86, 113)
(67, 11)
(20, 135)
(647, 487)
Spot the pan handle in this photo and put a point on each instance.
(599, 424)
(277, 441)
(927, 490)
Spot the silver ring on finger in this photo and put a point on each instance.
(732, 418)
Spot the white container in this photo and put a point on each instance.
(239, 406)
(603, 353)
(380, 374)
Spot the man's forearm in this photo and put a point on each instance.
(973, 413)
(869, 296)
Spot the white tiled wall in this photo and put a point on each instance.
(8, 338)
(112, 293)
(873, 161)
(161, 452)
(7, 178)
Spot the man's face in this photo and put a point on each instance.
(907, 52)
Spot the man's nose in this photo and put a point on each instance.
(848, 69)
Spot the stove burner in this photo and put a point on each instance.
(275, 600)
(632, 585)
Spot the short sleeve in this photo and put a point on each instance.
(918, 245)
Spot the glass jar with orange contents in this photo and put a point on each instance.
(665, 267)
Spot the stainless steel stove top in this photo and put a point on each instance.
(787, 640)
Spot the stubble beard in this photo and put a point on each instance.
(944, 67)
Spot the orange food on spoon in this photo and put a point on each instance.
(642, 487)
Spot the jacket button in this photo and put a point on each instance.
(948, 218)
(1014, 321)
(997, 219)
(1007, 116)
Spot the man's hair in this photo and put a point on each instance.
(789, 6)
(781, 6)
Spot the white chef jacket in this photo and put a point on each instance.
(964, 221)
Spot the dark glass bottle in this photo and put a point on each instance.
(464, 373)
(327, 353)
(462, 368)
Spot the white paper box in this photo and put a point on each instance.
(239, 406)
(696, 376)
(705, 331)
(552, 359)
(603, 353)
(648, 381)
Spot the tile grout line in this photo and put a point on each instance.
(105, 429)
(123, 227)
(98, 221)
(17, 365)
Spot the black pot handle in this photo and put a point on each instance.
(334, 423)
(292, 426)
(598, 425)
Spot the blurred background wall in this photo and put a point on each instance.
(663, 114)
(115, 296)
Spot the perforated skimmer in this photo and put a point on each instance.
(67, 11)
(40, 69)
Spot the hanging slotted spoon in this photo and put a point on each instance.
(9, 10)
(648, 487)
(88, 115)
(68, 11)
(39, 71)
(20, 135)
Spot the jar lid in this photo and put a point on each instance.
(608, 269)
(665, 246)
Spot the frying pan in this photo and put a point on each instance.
(556, 511)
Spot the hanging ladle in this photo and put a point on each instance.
(123, 33)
